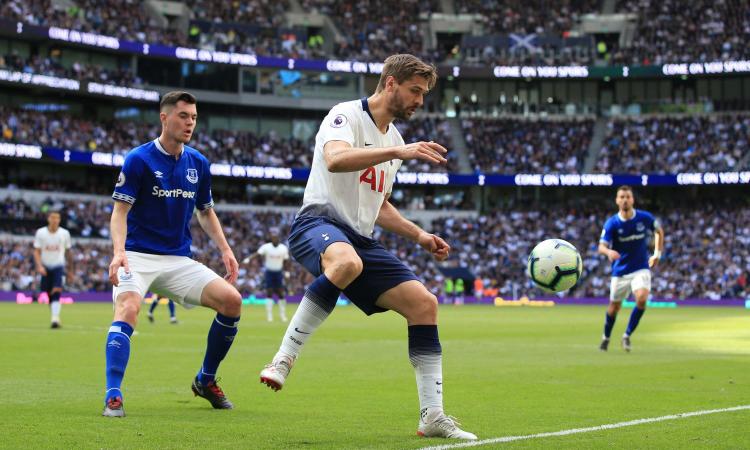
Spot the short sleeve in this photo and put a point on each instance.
(653, 222)
(606, 236)
(338, 126)
(68, 241)
(262, 250)
(38, 239)
(128, 182)
(286, 252)
(205, 199)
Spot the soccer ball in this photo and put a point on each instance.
(554, 265)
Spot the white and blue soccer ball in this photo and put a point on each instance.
(554, 265)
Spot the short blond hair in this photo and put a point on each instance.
(404, 66)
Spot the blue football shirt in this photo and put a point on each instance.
(630, 239)
(163, 192)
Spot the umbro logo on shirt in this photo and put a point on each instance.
(158, 174)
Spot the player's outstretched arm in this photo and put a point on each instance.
(210, 223)
(118, 229)
(247, 260)
(392, 220)
(340, 156)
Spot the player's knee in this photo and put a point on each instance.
(127, 310)
(232, 304)
(427, 308)
(348, 269)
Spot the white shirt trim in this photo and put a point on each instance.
(161, 149)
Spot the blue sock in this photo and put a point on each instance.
(220, 338)
(426, 356)
(117, 354)
(424, 340)
(154, 304)
(609, 322)
(323, 293)
(635, 317)
(171, 309)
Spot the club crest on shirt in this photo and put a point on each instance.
(640, 226)
(338, 121)
(192, 175)
(120, 180)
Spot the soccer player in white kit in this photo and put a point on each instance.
(357, 154)
(50, 253)
(165, 178)
(274, 254)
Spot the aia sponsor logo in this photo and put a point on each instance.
(370, 176)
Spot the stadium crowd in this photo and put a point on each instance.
(675, 144)
(52, 66)
(520, 145)
(675, 31)
(707, 252)
(64, 130)
(374, 30)
(666, 31)
(654, 144)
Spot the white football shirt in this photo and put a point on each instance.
(52, 246)
(353, 198)
(273, 256)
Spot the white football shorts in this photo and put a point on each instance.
(178, 278)
(621, 287)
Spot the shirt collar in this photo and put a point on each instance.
(366, 108)
(161, 149)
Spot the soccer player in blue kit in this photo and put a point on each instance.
(357, 154)
(624, 242)
(167, 179)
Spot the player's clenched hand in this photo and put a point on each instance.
(613, 255)
(435, 245)
(233, 269)
(119, 260)
(431, 152)
(653, 261)
(42, 271)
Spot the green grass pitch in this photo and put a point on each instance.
(507, 371)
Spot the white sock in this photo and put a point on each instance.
(429, 371)
(282, 309)
(55, 308)
(308, 317)
(269, 309)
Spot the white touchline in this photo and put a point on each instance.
(586, 430)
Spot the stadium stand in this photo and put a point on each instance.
(673, 31)
(671, 144)
(713, 240)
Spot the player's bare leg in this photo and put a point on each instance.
(227, 302)
(641, 297)
(609, 322)
(341, 265)
(420, 308)
(127, 307)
